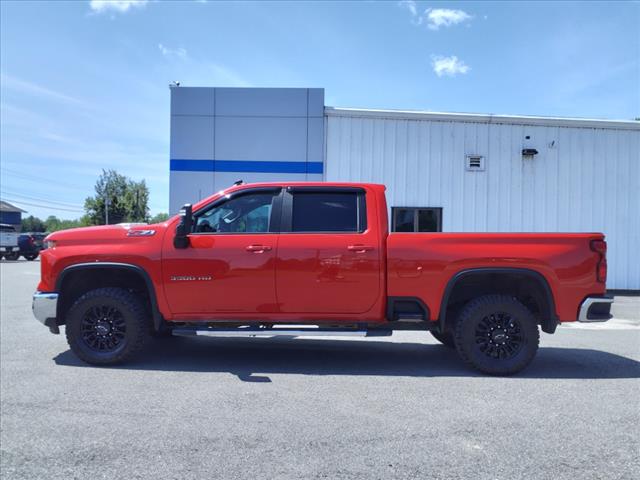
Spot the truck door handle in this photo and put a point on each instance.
(359, 248)
(258, 248)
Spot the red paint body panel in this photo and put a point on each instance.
(228, 278)
(104, 244)
(319, 274)
(322, 277)
(422, 264)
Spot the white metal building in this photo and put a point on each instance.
(443, 171)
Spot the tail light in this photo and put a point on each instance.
(600, 247)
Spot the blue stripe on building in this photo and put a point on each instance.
(183, 165)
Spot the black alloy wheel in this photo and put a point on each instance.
(496, 334)
(499, 335)
(107, 326)
(103, 328)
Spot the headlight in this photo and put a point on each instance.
(49, 243)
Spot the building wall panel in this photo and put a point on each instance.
(584, 178)
(261, 102)
(192, 137)
(220, 135)
(272, 139)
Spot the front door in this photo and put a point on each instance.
(328, 260)
(229, 266)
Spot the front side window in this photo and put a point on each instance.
(416, 219)
(250, 213)
(328, 212)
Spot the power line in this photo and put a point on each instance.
(50, 207)
(40, 199)
(36, 178)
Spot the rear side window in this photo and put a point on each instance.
(328, 212)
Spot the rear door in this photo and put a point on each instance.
(328, 259)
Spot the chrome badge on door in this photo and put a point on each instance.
(190, 278)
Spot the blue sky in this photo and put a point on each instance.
(84, 84)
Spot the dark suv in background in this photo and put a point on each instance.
(30, 245)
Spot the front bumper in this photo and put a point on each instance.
(44, 308)
(595, 309)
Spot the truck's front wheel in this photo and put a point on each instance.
(106, 326)
(497, 334)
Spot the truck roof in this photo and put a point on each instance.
(242, 186)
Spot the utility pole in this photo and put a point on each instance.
(137, 210)
(106, 209)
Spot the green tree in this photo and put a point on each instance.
(53, 223)
(137, 201)
(126, 200)
(159, 218)
(33, 224)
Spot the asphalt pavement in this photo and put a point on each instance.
(402, 407)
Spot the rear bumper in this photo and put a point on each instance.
(595, 309)
(44, 306)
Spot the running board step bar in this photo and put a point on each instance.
(277, 332)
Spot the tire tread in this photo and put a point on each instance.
(129, 301)
(466, 316)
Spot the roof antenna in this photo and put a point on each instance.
(238, 182)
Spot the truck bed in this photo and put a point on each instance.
(421, 265)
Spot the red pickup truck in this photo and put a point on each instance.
(302, 259)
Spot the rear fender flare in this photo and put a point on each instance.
(549, 322)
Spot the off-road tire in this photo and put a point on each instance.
(478, 344)
(130, 317)
(12, 256)
(445, 338)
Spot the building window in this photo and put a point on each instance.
(409, 219)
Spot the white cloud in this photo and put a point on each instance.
(172, 52)
(409, 5)
(189, 70)
(119, 6)
(449, 66)
(30, 88)
(444, 17)
(225, 76)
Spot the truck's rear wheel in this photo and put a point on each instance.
(497, 334)
(31, 256)
(106, 326)
(445, 338)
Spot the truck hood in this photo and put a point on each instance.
(122, 232)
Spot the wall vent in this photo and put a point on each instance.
(474, 163)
